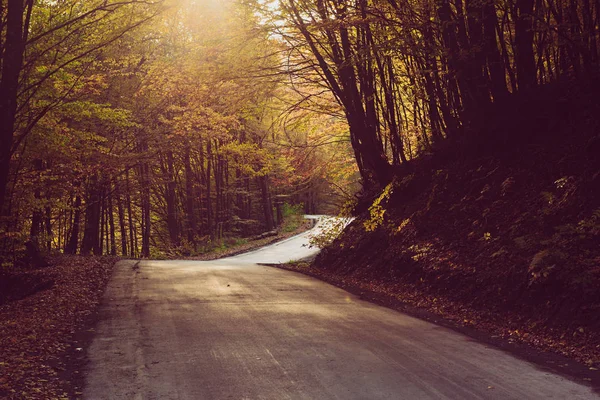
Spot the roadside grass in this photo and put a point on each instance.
(292, 226)
(292, 223)
(293, 217)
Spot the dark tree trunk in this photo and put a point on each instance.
(121, 212)
(73, 243)
(344, 83)
(455, 63)
(203, 189)
(209, 213)
(217, 172)
(48, 223)
(189, 198)
(171, 200)
(132, 235)
(91, 232)
(103, 230)
(524, 57)
(146, 220)
(240, 201)
(386, 77)
(36, 218)
(12, 61)
(506, 58)
(494, 60)
(111, 222)
(263, 182)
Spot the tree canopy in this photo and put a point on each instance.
(150, 128)
(146, 127)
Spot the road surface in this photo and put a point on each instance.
(232, 329)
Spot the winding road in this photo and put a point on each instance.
(233, 329)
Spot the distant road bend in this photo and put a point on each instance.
(233, 329)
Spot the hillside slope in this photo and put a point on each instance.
(504, 236)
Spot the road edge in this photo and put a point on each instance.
(546, 361)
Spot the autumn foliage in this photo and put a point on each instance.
(151, 128)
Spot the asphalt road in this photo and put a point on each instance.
(232, 329)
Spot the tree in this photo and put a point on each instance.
(41, 40)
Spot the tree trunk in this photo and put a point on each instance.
(111, 222)
(263, 182)
(189, 198)
(455, 63)
(48, 223)
(91, 232)
(203, 189)
(36, 218)
(524, 57)
(132, 236)
(170, 199)
(343, 81)
(73, 243)
(494, 60)
(121, 212)
(209, 214)
(103, 230)
(146, 221)
(217, 172)
(12, 61)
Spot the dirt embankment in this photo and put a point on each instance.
(504, 238)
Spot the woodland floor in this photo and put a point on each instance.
(42, 315)
(505, 242)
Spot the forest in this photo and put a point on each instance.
(144, 127)
(462, 135)
(139, 128)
